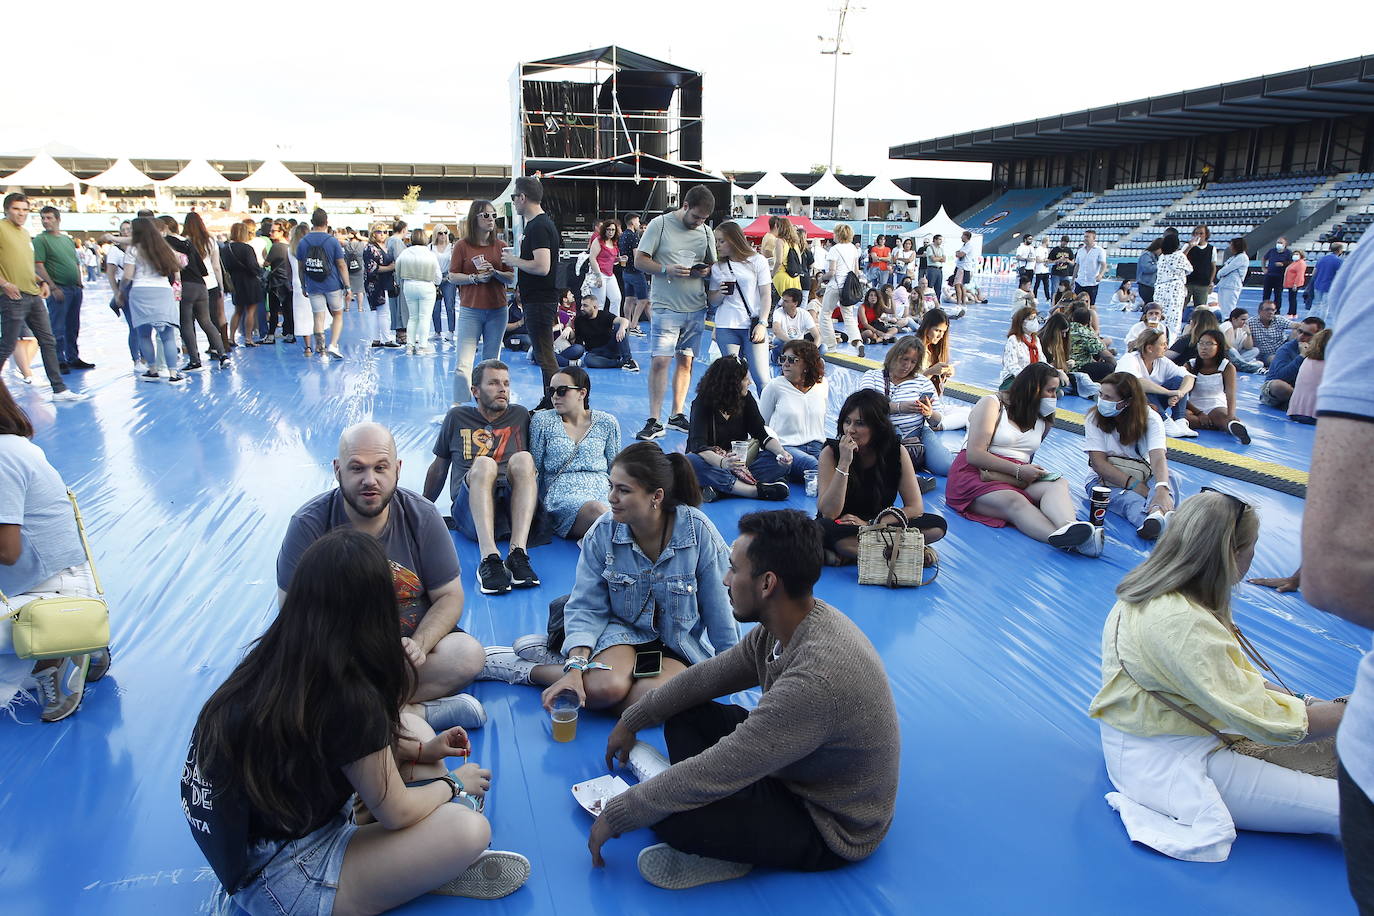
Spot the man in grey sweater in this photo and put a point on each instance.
(808, 779)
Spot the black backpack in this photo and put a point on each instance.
(794, 265)
(315, 265)
(353, 261)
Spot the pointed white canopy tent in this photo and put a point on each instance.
(123, 175)
(197, 175)
(774, 185)
(939, 224)
(884, 189)
(829, 188)
(273, 176)
(44, 172)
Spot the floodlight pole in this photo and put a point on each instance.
(836, 52)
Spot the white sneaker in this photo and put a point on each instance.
(1093, 546)
(534, 647)
(1153, 526)
(1071, 535)
(333, 353)
(1183, 431)
(68, 395)
(495, 874)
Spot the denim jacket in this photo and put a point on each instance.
(616, 590)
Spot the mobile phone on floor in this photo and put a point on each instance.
(648, 663)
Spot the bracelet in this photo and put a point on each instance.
(843, 473)
(1018, 473)
(575, 663)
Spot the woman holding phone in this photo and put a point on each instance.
(650, 579)
(995, 479)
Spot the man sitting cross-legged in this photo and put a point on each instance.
(424, 567)
(808, 780)
(484, 450)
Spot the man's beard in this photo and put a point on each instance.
(364, 511)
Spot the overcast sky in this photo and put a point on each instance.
(426, 81)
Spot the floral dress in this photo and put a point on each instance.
(1171, 288)
(378, 285)
(572, 473)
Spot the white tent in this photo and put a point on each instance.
(774, 185)
(736, 192)
(273, 176)
(884, 189)
(198, 175)
(42, 172)
(829, 187)
(123, 174)
(939, 224)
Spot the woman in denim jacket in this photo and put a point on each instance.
(651, 577)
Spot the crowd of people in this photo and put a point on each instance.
(317, 769)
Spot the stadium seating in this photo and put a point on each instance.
(1016, 205)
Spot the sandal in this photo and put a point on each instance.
(308, 352)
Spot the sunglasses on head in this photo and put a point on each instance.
(1240, 503)
(562, 390)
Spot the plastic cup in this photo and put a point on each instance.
(1101, 498)
(811, 478)
(563, 715)
(740, 449)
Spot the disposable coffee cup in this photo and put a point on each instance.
(1100, 499)
(811, 478)
(563, 716)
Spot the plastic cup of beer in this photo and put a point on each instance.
(563, 715)
(811, 478)
(740, 449)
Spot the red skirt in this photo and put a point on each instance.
(964, 485)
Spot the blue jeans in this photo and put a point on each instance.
(443, 302)
(611, 355)
(1129, 504)
(1161, 401)
(490, 326)
(736, 340)
(935, 279)
(168, 334)
(938, 456)
(764, 471)
(568, 354)
(805, 457)
(66, 325)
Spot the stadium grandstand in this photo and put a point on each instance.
(1288, 154)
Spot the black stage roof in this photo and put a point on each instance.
(1295, 96)
(621, 58)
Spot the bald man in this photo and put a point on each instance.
(424, 568)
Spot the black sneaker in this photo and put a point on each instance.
(492, 577)
(773, 491)
(630, 366)
(269, 339)
(290, 338)
(522, 574)
(652, 430)
(376, 343)
(64, 368)
(176, 379)
(392, 344)
(679, 422)
(81, 364)
(151, 376)
(192, 367)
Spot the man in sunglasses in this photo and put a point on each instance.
(483, 450)
(1277, 389)
(1337, 553)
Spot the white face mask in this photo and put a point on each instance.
(1031, 325)
(1106, 408)
(1048, 406)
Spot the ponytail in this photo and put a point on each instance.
(672, 473)
(686, 489)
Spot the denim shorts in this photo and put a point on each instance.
(500, 508)
(298, 877)
(675, 332)
(636, 285)
(333, 301)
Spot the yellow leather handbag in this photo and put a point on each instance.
(62, 625)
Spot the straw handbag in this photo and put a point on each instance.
(62, 625)
(891, 555)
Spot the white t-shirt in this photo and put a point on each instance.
(1096, 439)
(1141, 327)
(1042, 256)
(1165, 369)
(144, 273)
(790, 328)
(1025, 254)
(840, 261)
(114, 257)
(973, 254)
(748, 276)
(795, 416)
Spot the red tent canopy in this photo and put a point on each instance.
(759, 228)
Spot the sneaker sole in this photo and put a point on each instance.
(675, 426)
(665, 867)
(494, 875)
(656, 434)
(1238, 430)
(1150, 529)
(1076, 535)
(492, 591)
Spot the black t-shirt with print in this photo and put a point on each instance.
(1059, 251)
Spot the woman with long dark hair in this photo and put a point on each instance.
(1054, 342)
(1127, 453)
(723, 413)
(310, 717)
(995, 480)
(245, 272)
(862, 472)
(603, 249)
(913, 408)
(573, 447)
(934, 334)
(482, 280)
(650, 579)
(150, 266)
(199, 238)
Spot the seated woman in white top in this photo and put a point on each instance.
(1023, 346)
(1166, 384)
(1177, 689)
(1212, 403)
(1124, 440)
(904, 306)
(1126, 298)
(994, 480)
(913, 404)
(1153, 320)
(793, 405)
(741, 290)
